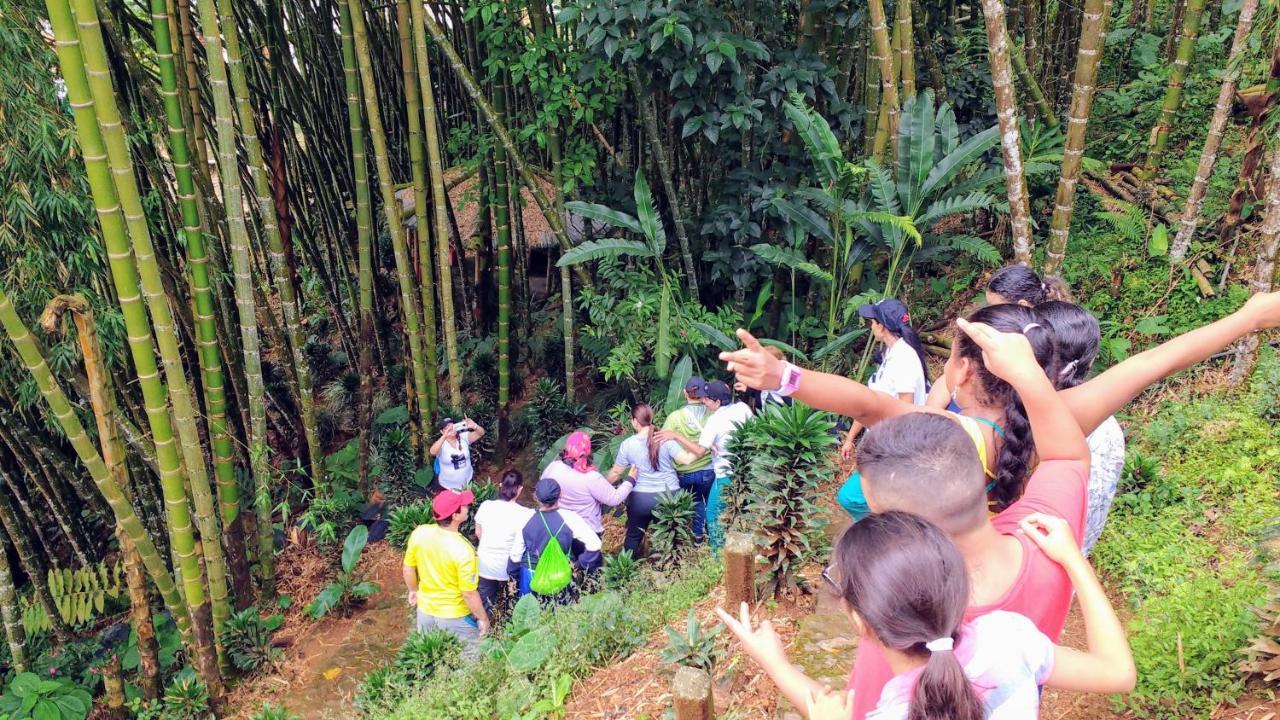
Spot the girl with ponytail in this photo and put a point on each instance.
(654, 462)
(905, 586)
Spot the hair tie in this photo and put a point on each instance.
(1026, 328)
(906, 317)
(1067, 369)
(942, 644)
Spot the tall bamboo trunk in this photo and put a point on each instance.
(390, 206)
(1037, 103)
(906, 48)
(417, 159)
(290, 307)
(206, 336)
(12, 615)
(439, 204)
(1007, 116)
(882, 57)
(1093, 35)
(502, 221)
(1173, 94)
(1217, 126)
(246, 306)
(1264, 267)
(476, 94)
(931, 62)
(124, 275)
(113, 457)
(121, 508)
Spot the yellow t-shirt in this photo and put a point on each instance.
(447, 567)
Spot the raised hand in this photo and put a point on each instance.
(1007, 355)
(752, 366)
(761, 643)
(1053, 535)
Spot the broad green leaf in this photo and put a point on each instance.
(969, 151)
(397, 415)
(606, 215)
(647, 214)
(762, 299)
(325, 601)
(365, 588)
(717, 338)
(675, 388)
(352, 547)
(818, 139)
(804, 217)
(1159, 243)
(532, 650)
(837, 343)
(793, 352)
(915, 148)
(608, 248)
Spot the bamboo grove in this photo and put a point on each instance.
(233, 233)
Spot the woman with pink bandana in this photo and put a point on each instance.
(583, 489)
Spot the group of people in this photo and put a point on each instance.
(971, 509)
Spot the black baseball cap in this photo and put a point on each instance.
(547, 491)
(890, 312)
(716, 390)
(694, 388)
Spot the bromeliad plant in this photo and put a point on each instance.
(348, 587)
(695, 647)
(670, 532)
(779, 457)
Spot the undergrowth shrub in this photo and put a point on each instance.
(402, 521)
(696, 647)
(422, 654)
(779, 458)
(671, 530)
(273, 712)
(246, 636)
(619, 570)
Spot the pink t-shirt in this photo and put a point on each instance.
(1042, 590)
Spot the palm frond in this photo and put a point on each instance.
(977, 200)
(882, 188)
(607, 248)
(818, 139)
(606, 215)
(790, 259)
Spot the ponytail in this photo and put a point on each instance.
(643, 414)
(943, 691)
(912, 338)
(1020, 285)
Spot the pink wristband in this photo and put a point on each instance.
(790, 379)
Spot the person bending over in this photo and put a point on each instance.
(944, 666)
(498, 521)
(452, 452)
(441, 574)
(582, 488)
(553, 524)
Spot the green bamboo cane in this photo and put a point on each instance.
(98, 68)
(1173, 93)
(12, 615)
(238, 233)
(125, 517)
(206, 335)
(289, 301)
(155, 400)
(390, 206)
(502, 220)
(417, 151)
(364, 224)
(882, 57)
(448, 323)
(906, 48)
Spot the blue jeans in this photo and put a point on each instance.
(715, 506)
(699, 483)
(852, 499)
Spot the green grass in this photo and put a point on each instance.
(1180, 545)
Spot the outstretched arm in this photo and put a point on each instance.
(757, 369)
(1093, 402)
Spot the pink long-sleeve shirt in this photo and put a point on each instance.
(584, 493)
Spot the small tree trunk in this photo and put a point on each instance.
(1209, 155)
(1173, 94)
(1264, 267)
(1007, 115)
(12, 615)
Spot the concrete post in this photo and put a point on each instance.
(739, 571)
(691, 689)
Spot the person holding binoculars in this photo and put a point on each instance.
(452, 452)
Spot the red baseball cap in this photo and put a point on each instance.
(448, 502)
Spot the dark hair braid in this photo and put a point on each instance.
(1015, 456)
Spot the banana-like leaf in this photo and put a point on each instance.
(837, 343)
(762, 298)
(948, 131)
(790, 259)
(647, 214)
(717, 338)
(805, 218)
(951, 165)
(679, 378)
(607, 248)
(818, 139)
(662, 353)
(789, 349)
(915, 148)
(606, 215)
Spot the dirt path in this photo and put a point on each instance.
(326, 660)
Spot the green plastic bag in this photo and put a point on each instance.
(553, 571)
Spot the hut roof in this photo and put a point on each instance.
(464, 194)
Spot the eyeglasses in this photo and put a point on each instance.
(826, 575)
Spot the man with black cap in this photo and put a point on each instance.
(696, 477)
(552, 524)
(724, 419)
(441, 572)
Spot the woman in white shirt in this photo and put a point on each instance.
(498, 523)
(452, 452)
(901, 373)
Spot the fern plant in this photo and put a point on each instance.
(779, 458)
(695, 647)
(671, 530)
